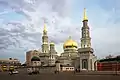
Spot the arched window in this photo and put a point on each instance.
(84, 64)
(84, 46)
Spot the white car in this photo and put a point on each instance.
(15, 72)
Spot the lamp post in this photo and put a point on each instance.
(117, 61)
(116, 69)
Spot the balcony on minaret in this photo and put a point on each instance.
(88, 49)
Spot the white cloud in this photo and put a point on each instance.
(27, 33)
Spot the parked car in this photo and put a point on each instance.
(15, 72)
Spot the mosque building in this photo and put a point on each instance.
(80, 58)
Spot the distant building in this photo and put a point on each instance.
(109, 64)
(29, 56)
(109, 56)
(9, 62)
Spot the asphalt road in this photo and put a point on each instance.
(61, 76)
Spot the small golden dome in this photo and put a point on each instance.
(70, 42)
(51, 43)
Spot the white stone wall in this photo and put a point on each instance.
(66, 62)
(52, 60)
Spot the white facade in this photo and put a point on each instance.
(52, 60)
(67, 68)
(87, 61)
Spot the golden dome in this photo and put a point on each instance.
(70, 42)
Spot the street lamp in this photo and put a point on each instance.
(116, 67)
(117, 61)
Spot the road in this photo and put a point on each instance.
(51, 76)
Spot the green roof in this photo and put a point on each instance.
(110, 59)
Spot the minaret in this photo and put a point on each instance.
(52, 57)
(85, 40)
(52, 48)
(45, 46)
(86, 53)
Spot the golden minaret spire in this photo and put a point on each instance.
(85, 16)
(44, 30)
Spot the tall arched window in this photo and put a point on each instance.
(84, 64)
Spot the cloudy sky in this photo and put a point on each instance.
(21, 24)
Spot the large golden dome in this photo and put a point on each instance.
(69, 43)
